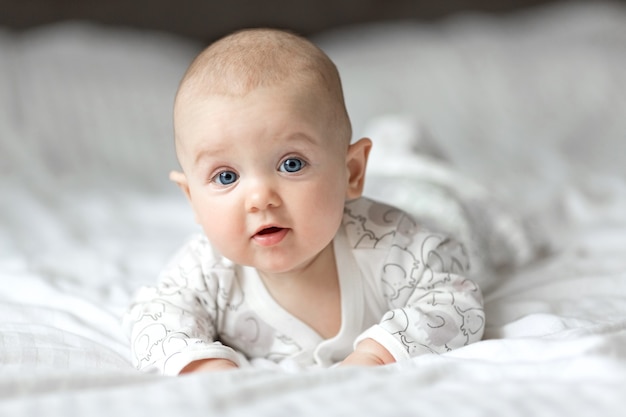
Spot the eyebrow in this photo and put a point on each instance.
(207, 152)
(202, 154)
(220, 149)
(303, 137)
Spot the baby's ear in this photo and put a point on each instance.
(181, 180)
(356, 162)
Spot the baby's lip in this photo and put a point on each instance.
(270, 235)
(268, 230)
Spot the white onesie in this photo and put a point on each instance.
(400, 285)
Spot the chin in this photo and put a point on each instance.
(278, 267)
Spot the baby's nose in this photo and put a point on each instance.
(261, 195)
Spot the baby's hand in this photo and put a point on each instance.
(209, 365)
(368, 353)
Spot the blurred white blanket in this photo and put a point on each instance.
(508, 132)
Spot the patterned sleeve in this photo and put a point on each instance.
(434, 308)
(174, 323)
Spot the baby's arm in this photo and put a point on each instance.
(172, 327)
(434, 307)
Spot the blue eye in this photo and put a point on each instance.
(226, 177)
(292, 165)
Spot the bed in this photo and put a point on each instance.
(509, 132)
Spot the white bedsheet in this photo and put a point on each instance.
(518, 130)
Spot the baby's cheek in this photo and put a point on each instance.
(223, 232)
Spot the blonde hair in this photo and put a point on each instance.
(252, 58)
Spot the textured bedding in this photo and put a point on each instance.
(509, 133)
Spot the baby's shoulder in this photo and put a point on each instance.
(372, 224)
(382, 235)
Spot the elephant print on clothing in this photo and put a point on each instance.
(432, 306)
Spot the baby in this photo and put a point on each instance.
(294, 263)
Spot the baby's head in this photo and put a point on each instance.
(263, 137)
(264, 58)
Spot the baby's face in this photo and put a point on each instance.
(267, 175)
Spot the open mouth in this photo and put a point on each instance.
(270, 236)
(269, 231)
